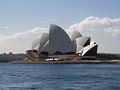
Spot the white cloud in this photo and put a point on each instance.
(28, 35)
(6, 27)
(96, 24)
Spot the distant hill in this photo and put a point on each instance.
(11, 57)
(108, 56)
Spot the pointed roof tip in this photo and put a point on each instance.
(78, 33)
(55, 27)
(52, 25)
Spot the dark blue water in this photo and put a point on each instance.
(59, 77)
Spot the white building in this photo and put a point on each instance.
(58, 42)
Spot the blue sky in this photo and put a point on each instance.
(22, 15)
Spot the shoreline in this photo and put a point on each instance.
(69, 62)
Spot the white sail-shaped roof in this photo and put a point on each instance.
(75, 34)
(74, 44)
(59, 40)
(45, 48)
(82, 42)
(35, 44)
(70, 48)
(44, 38)
(90, 50)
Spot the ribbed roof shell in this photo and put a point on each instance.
(35, 44)
(82, 42)
(45, 48)
(59, 40)
(44, 38)
(90, 50)
(75, 34)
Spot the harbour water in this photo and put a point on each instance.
(59, 76)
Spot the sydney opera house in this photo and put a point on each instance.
(59, 45)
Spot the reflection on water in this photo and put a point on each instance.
(59, 77)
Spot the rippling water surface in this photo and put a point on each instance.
(59, 77)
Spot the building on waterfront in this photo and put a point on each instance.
(58, 42)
